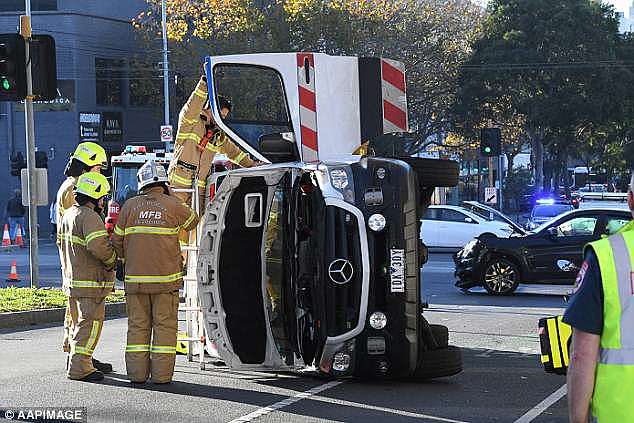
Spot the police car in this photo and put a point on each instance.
(550, 254)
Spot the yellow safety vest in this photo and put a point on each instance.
(613, 396)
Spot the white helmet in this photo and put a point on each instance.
(151, 173)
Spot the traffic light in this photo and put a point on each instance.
(41, 160)
(17, 163)
(490, 142)
(44, 67)
(12, 68)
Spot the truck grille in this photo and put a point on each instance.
(343, 270)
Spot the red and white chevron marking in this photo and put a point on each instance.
(307, 107)
(394, 96)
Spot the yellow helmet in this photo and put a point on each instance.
(92, 184)
(91, 154)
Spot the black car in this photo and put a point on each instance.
(551, 254)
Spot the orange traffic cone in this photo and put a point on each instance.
(13, 274)
(18, 237)
(6, 239)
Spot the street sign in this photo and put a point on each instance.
(90, 127)
(167, 133)
(41, 187)
(491, 195)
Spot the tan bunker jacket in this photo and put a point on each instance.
(197, 143)
(65, 198)
(87, 257)
(146, 237)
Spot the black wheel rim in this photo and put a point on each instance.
(500, 277)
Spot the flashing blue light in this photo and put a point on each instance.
(549, 201)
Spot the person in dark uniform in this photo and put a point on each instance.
(601, 371)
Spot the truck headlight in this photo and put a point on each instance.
(378, 320)
(341, 361)
(376, 222)
(339, 178)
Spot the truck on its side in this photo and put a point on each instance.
(314, 259)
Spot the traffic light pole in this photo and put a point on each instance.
(25, 31)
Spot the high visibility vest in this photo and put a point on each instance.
(613, 397)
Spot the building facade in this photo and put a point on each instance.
(626, 24)
(104, 93)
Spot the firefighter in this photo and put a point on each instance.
(146, 238)
(88, 261)
(197, 141)
(87, 157)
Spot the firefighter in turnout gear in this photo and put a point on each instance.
(197, 141)
(87, 157)
(88, 261)
(146, 237)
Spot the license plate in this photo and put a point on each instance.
(397, 270)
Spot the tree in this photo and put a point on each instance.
(542, 56)
(432, 38)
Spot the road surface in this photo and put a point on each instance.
(502, 380)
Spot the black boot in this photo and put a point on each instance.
(102, 367)
(95, 376)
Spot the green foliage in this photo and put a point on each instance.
(24, 299)
(559, 65)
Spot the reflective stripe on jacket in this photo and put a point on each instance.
(614, 382)
(86, 254)
(193, 152)
(146, 237)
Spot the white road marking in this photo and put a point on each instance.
(285, 403)
(385, 410)
(542, 406)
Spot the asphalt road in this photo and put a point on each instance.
(502, 380)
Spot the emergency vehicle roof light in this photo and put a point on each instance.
(548, 201)
(135, 149)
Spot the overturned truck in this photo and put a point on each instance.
(314, 259)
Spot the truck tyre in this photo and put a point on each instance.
(439, 363)
(441, 335)
(434, 172)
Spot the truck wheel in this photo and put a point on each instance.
(501, 277)
(441, 335)
(439, 363)
(435, 173)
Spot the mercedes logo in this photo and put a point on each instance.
(340, 271)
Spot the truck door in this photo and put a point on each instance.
(258, 87)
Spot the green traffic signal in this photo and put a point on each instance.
(487, 149)
(6, 85)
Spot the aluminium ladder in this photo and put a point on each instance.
(195, 332)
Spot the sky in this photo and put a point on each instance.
(622, 6)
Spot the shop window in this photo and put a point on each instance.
(109, 75)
